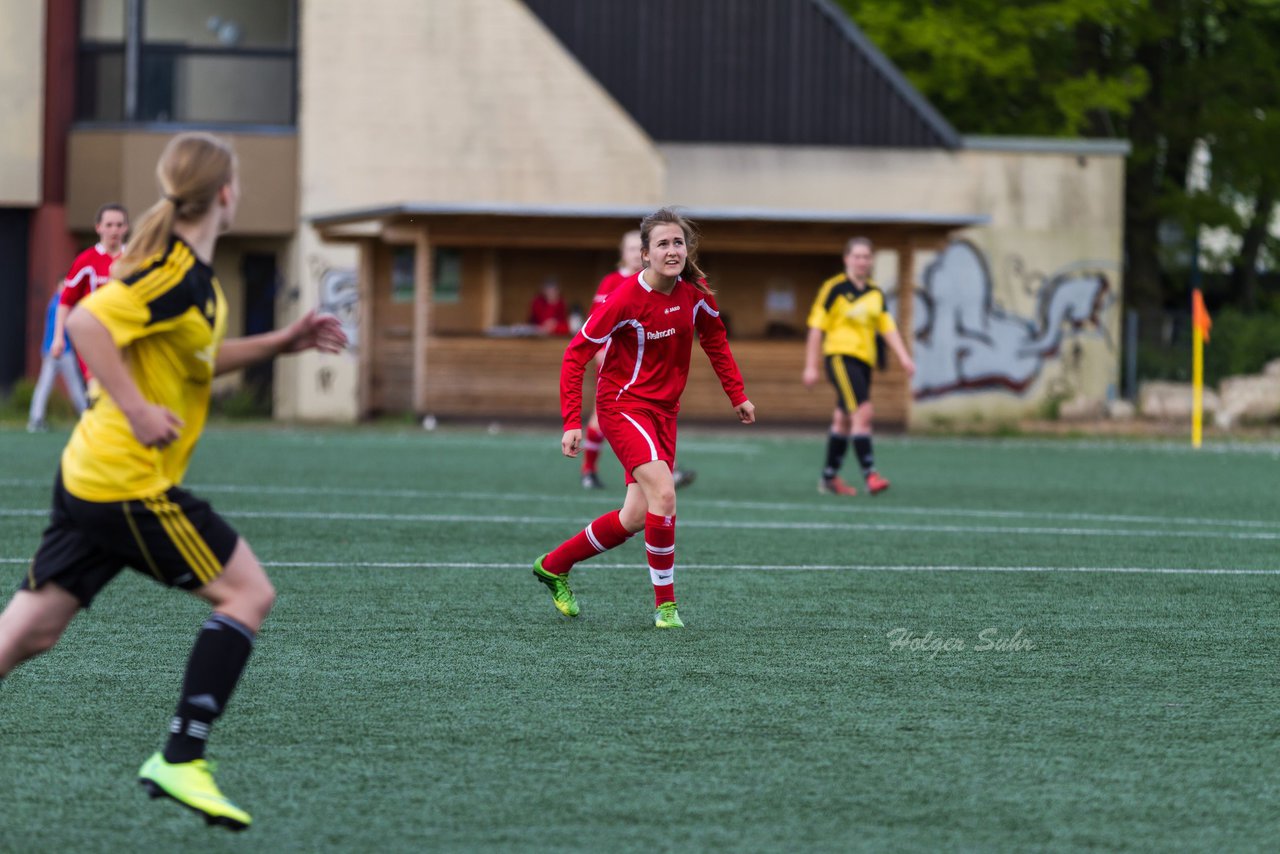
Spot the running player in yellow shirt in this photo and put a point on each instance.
(153, 338)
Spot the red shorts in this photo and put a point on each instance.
(638, 437)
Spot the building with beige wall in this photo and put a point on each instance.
(434, 162)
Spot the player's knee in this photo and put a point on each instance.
(663, 502)
(632, 519)
(38, 641)
(263, 597)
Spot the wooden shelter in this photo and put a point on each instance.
(442, 289)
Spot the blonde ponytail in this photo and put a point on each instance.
(191, 171)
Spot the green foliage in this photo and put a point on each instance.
(1166, 74)
(1241, 343)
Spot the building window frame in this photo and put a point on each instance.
(135, 52)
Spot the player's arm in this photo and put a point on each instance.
(58, 344)
(888, 330)
(817, 330)
(586, 343)
(714, 341)
(894, 339)
(812, 355)
(153, 425)
(312, 331)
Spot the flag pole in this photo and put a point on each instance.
(1201, 323)
(1197, 384)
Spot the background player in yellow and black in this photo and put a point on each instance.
(153, 338)
(847, 314)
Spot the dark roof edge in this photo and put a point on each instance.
(638, 212)
(882, 63)
(1048, 145)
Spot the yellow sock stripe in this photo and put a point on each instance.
(186, 540)
(142, 545)
(842, 382)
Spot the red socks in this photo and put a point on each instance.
(591, 442)
(601, 535)
(607, 532)
(660, 543)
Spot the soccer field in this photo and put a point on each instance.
(415, 690)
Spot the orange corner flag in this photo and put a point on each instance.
(1200, 318)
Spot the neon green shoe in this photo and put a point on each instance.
(566, 603)
(191, 784)
(667, 617)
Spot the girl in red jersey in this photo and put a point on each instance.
(647, 327)
(630, 262)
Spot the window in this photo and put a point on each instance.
(188, 61)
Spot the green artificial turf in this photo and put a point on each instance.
(414, 690)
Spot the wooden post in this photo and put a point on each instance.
(423, 286)
(491, 297)
(367, 288)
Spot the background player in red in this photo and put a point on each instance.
(630, 262)
(648, 324)
(91, 270)
(548, 311)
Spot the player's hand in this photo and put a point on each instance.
(154, 426)
(571, 442)
(314, 331)
(810, 376)
(909, 366)
(746, 412)
(57, 347)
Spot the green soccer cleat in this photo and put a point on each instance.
(191, 784)
(566, 603)
(667, 617)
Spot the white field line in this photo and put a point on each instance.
(569, 522)
(841, 507)
(746, 567)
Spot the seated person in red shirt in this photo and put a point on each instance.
(548, 311)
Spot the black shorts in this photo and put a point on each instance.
(852, 378)
(173, 537)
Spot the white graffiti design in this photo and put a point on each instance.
(964, 342)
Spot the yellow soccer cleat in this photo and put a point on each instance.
(667, 617)
(191, 784)
(561, 596)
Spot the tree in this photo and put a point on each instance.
(1165, 74)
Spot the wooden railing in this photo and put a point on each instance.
(520, 377)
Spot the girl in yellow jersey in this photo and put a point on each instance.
(153, 339)
(847, 315)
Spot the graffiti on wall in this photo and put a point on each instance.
(964, 341)
(339, 296)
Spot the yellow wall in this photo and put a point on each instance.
(1053, 215)
(120, 166)
(21, 100)
(451, 101)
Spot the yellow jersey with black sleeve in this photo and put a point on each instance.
(850, 317)
(168, 318)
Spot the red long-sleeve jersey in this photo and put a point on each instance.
(90, 271)
(649, 337)
(607, 285)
